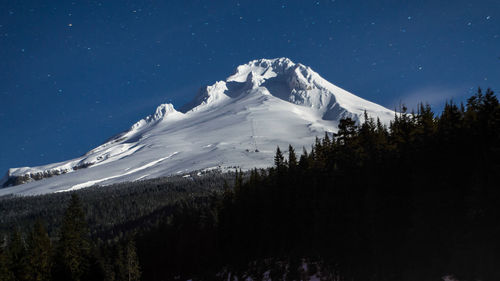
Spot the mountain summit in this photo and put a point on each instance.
(237, 122)
(295, 83)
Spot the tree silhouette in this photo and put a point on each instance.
(74, 245)
(39, 252)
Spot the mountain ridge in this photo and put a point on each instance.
(266, 102)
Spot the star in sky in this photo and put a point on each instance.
(110, 52)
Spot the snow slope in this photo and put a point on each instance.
(236, 122)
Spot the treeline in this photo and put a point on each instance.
(114, 210)
(94, 238)
(414, 201)
(417, 200)
(73, 256)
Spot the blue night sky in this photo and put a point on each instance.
(73, 74)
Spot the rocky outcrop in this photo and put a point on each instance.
(13, 180)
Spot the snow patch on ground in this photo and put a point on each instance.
(94, 182)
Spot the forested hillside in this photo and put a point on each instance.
(88, 234)
(417, 200)
(110, 210)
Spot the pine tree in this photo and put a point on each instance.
(119, 263)
(347, 130)
(304, 159)
(402, 127)
(238, 181)
(254, 177)
(450, 122)
(17, 256)
(425, 121)
(5, 273)
(74, 245)
(132, 262)
(292, 157)
(39, 250)
(279, 160)
(326, 141)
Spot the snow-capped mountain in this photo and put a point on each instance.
(236, 122)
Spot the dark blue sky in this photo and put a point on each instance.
(73, 74)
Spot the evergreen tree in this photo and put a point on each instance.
(238, 181)
(279, 160)
(73, 252)
(304, 159)
(292, 157)
(401, 128)
(132, 262)
(450, 123)
(326, 141)
(17, 256)
(119, 264)
(5, 273)
(39, 250)
(347, 129)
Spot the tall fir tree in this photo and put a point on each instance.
(292, 157)
(39, 252)
(73, 252)
(347, 130)
(5, 273)
(279, 160)
(18, 256)
(132, 262)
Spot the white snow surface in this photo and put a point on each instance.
(236, 122)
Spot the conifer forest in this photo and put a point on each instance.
(416, 200)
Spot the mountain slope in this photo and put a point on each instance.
(236, 122)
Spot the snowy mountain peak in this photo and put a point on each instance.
(245, 78)
(164, 110)
(207, 97)
(262, 68)
(161, 113)
(280, 77)
(280, 73)
(235, 122)
(286, 80)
